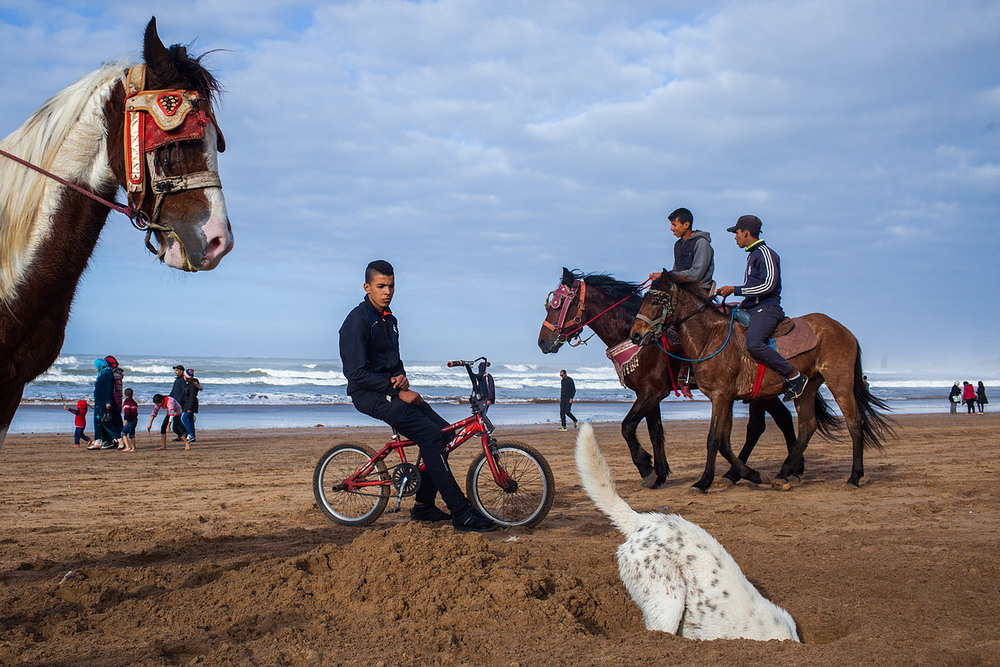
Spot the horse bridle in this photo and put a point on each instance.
(153, 119)
(561, 298)
(665, 300)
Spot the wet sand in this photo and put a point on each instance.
(219, 556)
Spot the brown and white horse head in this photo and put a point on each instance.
(656, 311)
(563, 313)
(171, 143)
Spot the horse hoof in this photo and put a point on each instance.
(728, 482)
(696, 489)
(649, 481)
(794, 479)
(854, 485)
(780, 485)
(764, 479)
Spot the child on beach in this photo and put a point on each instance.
(130, 414)
(80, 421)
(173, 409)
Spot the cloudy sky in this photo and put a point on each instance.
(480, 146)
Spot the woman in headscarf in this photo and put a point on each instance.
(104, 408)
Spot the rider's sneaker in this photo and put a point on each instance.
(576, 423)
(795, 387)
(562, 428)
(429, 513)
(470, 520)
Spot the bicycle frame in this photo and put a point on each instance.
(461, 432)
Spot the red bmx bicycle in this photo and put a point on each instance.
(510, 482)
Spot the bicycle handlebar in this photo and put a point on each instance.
(458, 362)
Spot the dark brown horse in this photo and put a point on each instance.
(609, 307)
(726, 372)
(149, 129)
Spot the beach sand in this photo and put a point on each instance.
(219, 556)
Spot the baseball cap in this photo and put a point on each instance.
(178, 367)
(751, 223)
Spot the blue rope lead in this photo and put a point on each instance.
(732, 318)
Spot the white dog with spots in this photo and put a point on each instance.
(680, 576)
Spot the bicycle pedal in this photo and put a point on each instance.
(392, 510)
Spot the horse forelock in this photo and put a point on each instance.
(67, 136)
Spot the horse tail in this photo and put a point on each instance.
(595, 476)
(875, 426)
(827, 420)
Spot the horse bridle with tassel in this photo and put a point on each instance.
(153, 119)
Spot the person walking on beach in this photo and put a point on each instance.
(954, 398)
(80, 421)
(969, 396)
(379, 388)
(106, 429)
(173, 409)
(567, 391)
(189, 402)
(118, 381)
(130, 416)
(177, 393)
(981, 399)
(761, 290)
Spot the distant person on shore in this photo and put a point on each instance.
(981, 399)
(80, 421)
(173, 409)
(107, 429)
(969, 396)
(489, 389)
(379, 388)
(177, 393)
(130, 415)
(567, 392)
(954, 398)
(189, 403)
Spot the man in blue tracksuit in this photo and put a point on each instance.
(761, 292)
(378, 387)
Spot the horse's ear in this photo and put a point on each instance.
(567, 278)
(156, 55)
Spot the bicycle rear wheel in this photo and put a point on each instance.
(358, 507)
(526, 505)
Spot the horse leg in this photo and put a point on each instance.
(782, 417)
(755, 428)
(718, 441)
(9, 400)
(654, 425)
(640, 457)
(795, 463)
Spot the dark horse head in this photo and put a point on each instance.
(570, 306)
(170, 153)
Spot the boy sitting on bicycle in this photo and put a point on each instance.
(378, 387)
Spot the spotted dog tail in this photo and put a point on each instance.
(597, 482)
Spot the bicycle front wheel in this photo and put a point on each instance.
(357, 507)
(525, 505)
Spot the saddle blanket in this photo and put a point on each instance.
(800, 339)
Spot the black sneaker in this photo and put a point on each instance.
(177, 439)
(795, 387)
(472, 521)
(429, 513)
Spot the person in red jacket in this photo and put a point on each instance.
(969, 396)
(80, 421)
(130, 415)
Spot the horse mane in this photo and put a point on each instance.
(616, 289)
(64, 136)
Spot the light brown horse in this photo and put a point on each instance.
(149, 129)
(726, 372)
